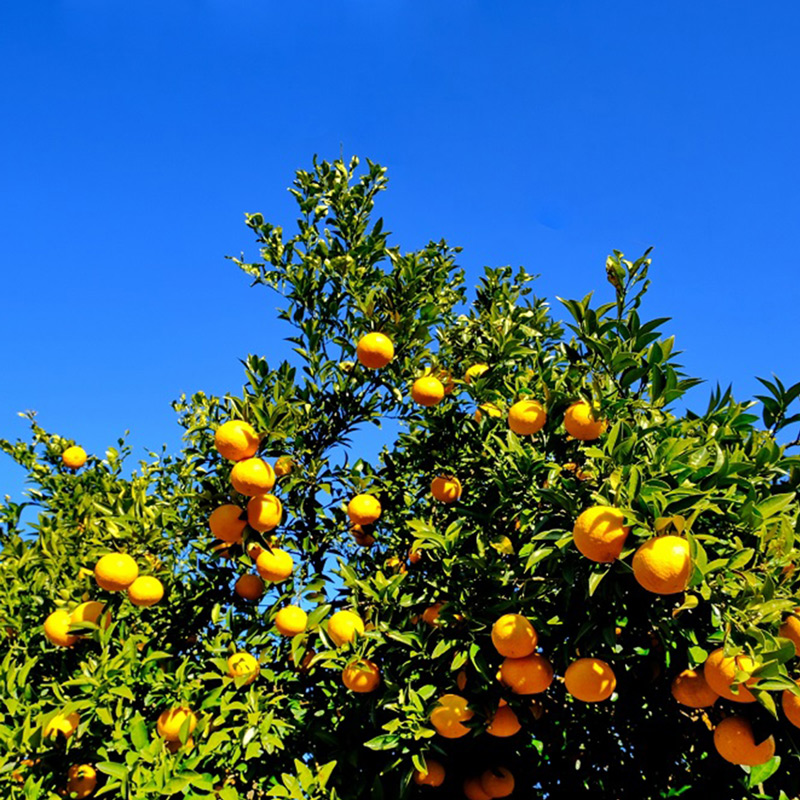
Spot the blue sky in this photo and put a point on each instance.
(542, 134)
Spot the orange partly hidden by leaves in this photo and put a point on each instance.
(662, 565)
(446, 488)
(599, 533)
(448, 716)
(474, 791)
(720, 672)
(361, 676)
(790, 629)
(375, 350)
(580, 422)
(170, 722)
(65, 724)
(590, 680)
(344, 626)
(504, 723)
(236, 440)
(242, 665)
(791, 706)
(56, 628)
(475, 371)
(226, 523)
(691, 689)
(432, 776)
(529, 675)
(513, 636)
(81, 780)
(497, 782)
(735, 742)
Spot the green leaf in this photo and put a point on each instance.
(774, 504)
(118, 771)
(762, 772)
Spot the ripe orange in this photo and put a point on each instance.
(364, 509)
(599, 533)
(362, 537)
(474, 791)
(146, 591)
(226, 523)
(791, 707)
(361, 676)
(735, 742)
(115, 572)
(375, 350)
(275, 565)
(81, 780)
(430, 615)
(529, 675)
(513, 636)
(73, 457)
(503, 723)
(475, 371)
(343, 627)
(526, 417)
(249, 587)
(488, 408)
(497, 782)
(432, 776)
(90, 611)
(170, 723)
(264, 512)
(690, 688)
(447, 717)
(662, 565)
(461, 680)
(720, 673)
(56, 628)
(63, 724)
(446, 489)
(252, 476)
(283, 466)
(790, 629)
(580, 422)
(590, 680)
(291, 620)
(243, 665)
(236, 440)
(427, 391)
(414, 556)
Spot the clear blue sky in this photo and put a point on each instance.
(135, 135)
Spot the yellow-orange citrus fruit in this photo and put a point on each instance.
(529, 675)
(446, 489)
(375, 350)
(487, 408)
(63, 724)
(115, 572)
(503, 723)
(170, 723)
(362, 537)
(249, 587)
(361, 676)
(81, 780)
(291, 620)
(791, 630)
(283, 466)
(254, 550)
(448, 716)
(474, 791)
(226, 523)
(432, 776)
(56, 628)
(430, 615)
(252, 476)
(720, 673)
(580, 422)
(513, 636)
(446, 377)
(599, 533)
(735, 742)
(74, 457)
(791, 706)
(427, 391)
(461, 680)
(690, 688)
(242, 665)
(90, 611)
(475, 371)
(414, 556)
(275, 565)
(590, 680)
(343, 627)
(526, 417)
(497, 782)
(364, 509)
(236, 440)
(145, 591)
(662, 565)
(264, 512)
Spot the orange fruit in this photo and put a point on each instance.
(264, 512)
(115, 572)
(580, 422)
(73, 457)
(720, 673)
(252, 476)
(361, 676)
(529, 675)
(735, 742)
(526, 417)
(81, 780)
(343, 627)
(503, 723)
(461, 680)
(432, 776)
(590, 680)
(599, 533)
(790, 629)
(475, 371)
(63, 724)
(430, 615)
(274, 565)
(249, 587)
(236, 440)
(226, 523)
(486, 408)
(90, 611)
(447, 717)
(446, 489)
(513, 636)
(283, 466)
(364, 509)
(474, 791)
(497, 782)
(362, 538)
(243, 664)
(427, 391)
(56, 628)
(375, 350)
(291, 620)
(690, 688)
(145, 591)
(791, 707)
(662, 565)
(170, 723)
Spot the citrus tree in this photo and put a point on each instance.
(549, 581)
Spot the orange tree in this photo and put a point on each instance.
(548, 583)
